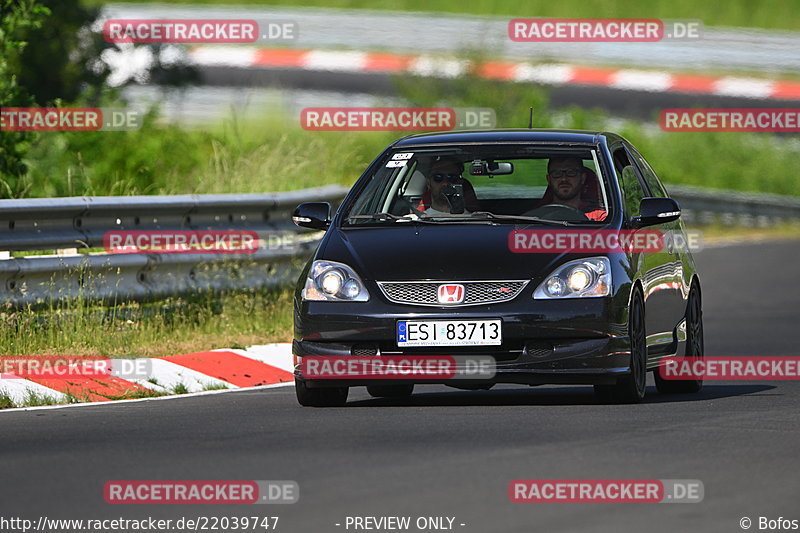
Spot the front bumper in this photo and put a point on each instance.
(578, 341)
(589, 361)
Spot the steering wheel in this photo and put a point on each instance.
(559, 211)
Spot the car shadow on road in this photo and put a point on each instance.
(574, 395)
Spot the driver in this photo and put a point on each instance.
(566, 177)
(442, 173)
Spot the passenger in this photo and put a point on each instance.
(566, 177)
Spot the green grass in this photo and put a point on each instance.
(781, 14)
(6, 402)
(180, 388)
(35, 399)
(720, 234)
(271, 153)
(138, 330)
(257, 156)
(135, 395)
(215, 386)
(738, 161)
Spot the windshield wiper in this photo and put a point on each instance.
(517, 218)
(476, 216)
(387, 216)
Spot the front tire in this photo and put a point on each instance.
(632, 387)
(694, 347)
(321, 397)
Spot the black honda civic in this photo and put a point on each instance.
(557, 255)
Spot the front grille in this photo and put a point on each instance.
(475, 292)
(538, 350)
(364, 349)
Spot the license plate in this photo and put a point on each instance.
(449, 333)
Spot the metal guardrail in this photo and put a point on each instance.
(65, 225)
(702, 207)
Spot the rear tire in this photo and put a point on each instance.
(321, 397)
(632, 387)
(694, 347)
(391, 391)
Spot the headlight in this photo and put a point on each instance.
(329, 281)
(577, 279)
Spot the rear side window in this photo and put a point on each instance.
(632, 189)
(653, 183)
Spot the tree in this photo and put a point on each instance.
(17, 19)
(53, 55)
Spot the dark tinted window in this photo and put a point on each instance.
(479, 181)
(653, 183)
(632, 189)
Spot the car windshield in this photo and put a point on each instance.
(497, 183)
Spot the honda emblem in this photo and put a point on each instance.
(451, 294)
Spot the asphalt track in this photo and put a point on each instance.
(452, 453)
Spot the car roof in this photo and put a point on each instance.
(507, 136)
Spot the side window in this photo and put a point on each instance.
(632, 189)
(653, 183)
(370, 198)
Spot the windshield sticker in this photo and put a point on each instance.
(393, 164)
(403, 155)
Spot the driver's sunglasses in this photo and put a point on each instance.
(569, 172)
(451, 178)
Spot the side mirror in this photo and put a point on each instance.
(654, 211)
(313, 215)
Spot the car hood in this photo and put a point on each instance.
(445, 252)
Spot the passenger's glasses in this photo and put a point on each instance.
(569, 172)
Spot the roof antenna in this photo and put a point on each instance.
(530, 120)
